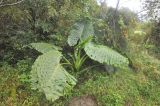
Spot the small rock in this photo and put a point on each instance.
(83, 101)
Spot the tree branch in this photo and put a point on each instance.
(114, 20)
(3, 5)
(1, 1)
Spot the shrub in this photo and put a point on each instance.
(49, 75)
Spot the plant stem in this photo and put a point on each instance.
(87, 69)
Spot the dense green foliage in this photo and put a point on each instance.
(54, 52)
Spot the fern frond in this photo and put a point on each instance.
(49, 77)
(44, 47)
(105, 55)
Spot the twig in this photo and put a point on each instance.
(1, 1)
(3, 5)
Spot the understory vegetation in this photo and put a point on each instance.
(56, 52)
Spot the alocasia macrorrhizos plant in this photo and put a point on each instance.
(49, 76)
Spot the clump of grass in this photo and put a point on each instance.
(124, 87)
(12, 91)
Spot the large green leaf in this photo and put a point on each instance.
(44, 47)
(105, 55)
(50, 77)
(80, 31)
